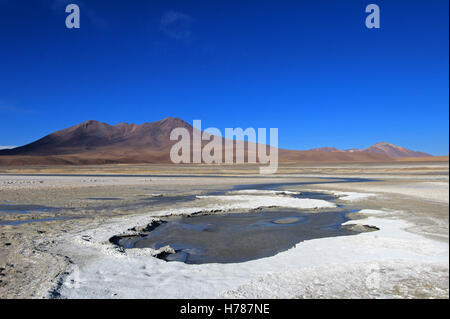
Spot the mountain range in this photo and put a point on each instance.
(94, 142)
(388, 149)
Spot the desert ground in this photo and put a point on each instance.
(56, 223)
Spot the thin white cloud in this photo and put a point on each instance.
(10, 108)
(3, 147)
(176, 25)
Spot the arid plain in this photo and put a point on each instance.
(56, 223)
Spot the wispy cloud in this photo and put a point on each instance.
(176, 25)
(3, 147)
(10, 108)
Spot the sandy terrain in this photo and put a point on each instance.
(68, 254)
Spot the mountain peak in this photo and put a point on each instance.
(384, 144)
(169, 123)
(95, 136)
(172, 120)
(383, 148)
(90, 125)
(393, 151)
(90, 122)
(150, 142)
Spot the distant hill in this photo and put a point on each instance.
(394, 151)
(94, 142)
(388, 149)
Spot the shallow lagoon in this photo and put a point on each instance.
(239, 236)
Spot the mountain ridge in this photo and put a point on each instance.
(93, 142)
(388, 149)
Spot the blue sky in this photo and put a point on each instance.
(310, 68)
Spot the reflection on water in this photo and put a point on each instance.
(238, 237)
(24, 209)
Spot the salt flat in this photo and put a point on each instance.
(72, 257)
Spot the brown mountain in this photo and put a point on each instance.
(94, 136)
(393, 151)
(94, 142)
(383, 148)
